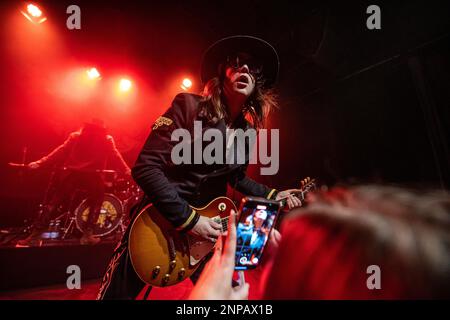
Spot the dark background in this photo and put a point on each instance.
(357, 105)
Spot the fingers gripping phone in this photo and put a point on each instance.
(256, 220)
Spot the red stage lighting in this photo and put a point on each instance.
(186, 84)
(33, 13)
(93, 73)
(125, 85)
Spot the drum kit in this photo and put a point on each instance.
(121, 194)
(114, 214)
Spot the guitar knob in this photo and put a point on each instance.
(181, 273)
(172, 264)
(222, 206)
(156, 271)
(166, 278)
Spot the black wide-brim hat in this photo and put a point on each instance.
(258, 48)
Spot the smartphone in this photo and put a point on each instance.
(256, 220)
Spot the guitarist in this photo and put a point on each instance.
(239, 73)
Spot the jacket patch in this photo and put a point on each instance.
(162, 121)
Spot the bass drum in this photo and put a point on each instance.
(110, 217)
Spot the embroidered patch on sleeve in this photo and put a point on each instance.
(162, 121)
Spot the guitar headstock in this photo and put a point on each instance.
(307, 185)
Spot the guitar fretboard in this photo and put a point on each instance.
(307, 186)
(224, 222)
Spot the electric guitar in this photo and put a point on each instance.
(163, 256)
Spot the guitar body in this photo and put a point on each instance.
(163, 256)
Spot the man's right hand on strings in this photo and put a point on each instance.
(207, 228)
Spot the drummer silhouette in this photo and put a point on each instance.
(82, 157)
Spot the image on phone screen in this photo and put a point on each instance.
(253, 229)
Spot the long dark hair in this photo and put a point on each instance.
(256, 109)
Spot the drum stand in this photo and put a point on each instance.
(67, 217)
(69, 224)
(70, 227)
(43, 206)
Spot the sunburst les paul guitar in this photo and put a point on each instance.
(163, 256)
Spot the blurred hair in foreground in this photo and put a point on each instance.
(326, 248)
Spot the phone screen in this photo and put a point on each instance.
(253, 229)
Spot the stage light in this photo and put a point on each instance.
(93, 73)
(34, 10)
(34, 13)
(186, 84)
(124, 85)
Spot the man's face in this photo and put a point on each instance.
(259, 218)
(238, 79)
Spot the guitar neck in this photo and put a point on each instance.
(301, 195)
(307, 186)
(224, 223)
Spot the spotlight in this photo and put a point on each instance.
(186, 84)
(124, 85)
(33, 13)
(34, 10)
(93, 73)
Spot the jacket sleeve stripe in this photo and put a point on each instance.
(186, 223)
(269, 196)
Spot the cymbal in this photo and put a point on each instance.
(13, 164)
(106, 171)
(88, 171)
(22, 165)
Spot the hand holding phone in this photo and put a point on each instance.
(216, 279)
